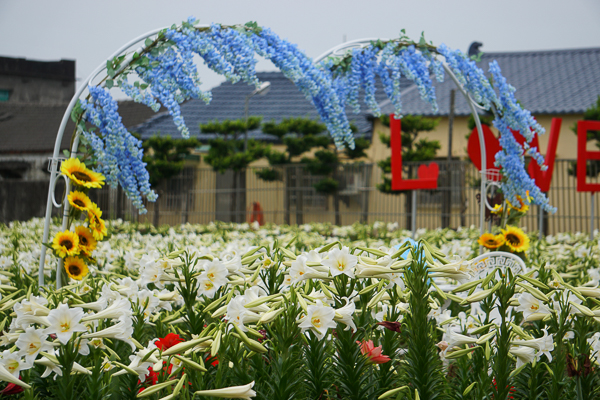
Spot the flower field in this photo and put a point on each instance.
(308, 312)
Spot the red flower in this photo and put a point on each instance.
(391, 325)
(212, 360)
(168, 341)
(11, 388)
(373, 353)
(151, 379)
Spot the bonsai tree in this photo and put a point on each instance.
(326, 163)
(299, 135)
(413, 149)
(164, 158)
(228, 153)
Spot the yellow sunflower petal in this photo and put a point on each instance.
(76, 268)
(516, 239)
(87, 242)
(79, 200)
(81, 175)
(66, 244)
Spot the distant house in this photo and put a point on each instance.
(33, 99)
(553, 83)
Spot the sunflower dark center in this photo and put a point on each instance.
(83, 240)
(491, 241)
(74, 270)
(513, 239)
(82, 176)
(79, 203)
(67, 244)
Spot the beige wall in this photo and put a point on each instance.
(567, 144)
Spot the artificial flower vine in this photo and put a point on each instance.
(164, 73)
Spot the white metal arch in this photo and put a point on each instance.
(54, 161)
(341, 49)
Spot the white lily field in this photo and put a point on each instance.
(94, 308)
(288, 312)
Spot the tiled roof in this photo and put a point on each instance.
(547, 82)
(32, 128)
(283, 100)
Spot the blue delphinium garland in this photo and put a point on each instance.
(354, 71)
(166, 74)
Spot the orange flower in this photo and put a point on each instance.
(373, 353)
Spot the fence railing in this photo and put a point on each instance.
(202, 195)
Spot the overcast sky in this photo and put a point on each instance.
(89, 31)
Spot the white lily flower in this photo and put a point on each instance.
(341, 262)
(232, 392)
(524, 354)
(344, 315)
(14, 363)
(50, 367)
(216, 271)
(543, 345)
(114, 311)
(533, 309)
(64, 321)
(299, 271)
(456, 339)
(140, 367)
(319, 318)
(36, 305)
(236, 312)
(123, 331)
(6, 376)
(32, 342)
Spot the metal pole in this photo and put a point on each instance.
(447, 205)
(246, 121)
(481, 147)
(540, 222)
(592, 219)
(414, 215)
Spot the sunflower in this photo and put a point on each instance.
(516, 239)
(497, 209)
(66, 244)
(491, 241)
(96, 224)
(79, 200)
(87, 243)
(523, 207)
(76, 268)
(76, 171)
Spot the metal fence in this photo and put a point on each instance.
(202, 196)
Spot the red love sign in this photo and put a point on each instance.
(583, 155)
(427, 174)
(492, 146)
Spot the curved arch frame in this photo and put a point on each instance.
(360, 43)
(55, 159)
